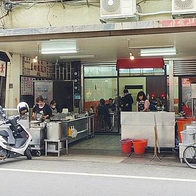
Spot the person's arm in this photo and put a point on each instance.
(131, 99)
(34, 112)
(48, 112)
(113, 107)
(137, 106)
(33, 116)
(146, 105)
(126, 101)
(59, 109)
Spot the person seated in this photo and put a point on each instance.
(103, 114)
(186, 110)
(153, 106)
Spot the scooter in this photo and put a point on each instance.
(14, 137)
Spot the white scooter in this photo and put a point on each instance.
(14, 138)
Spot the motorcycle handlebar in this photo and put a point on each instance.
(11, 119)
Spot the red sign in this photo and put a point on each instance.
(140, 63)
(178, 22)
(2, 68)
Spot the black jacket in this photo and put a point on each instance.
(127, 102)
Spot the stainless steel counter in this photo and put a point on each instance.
(80, 124)
(58, 137)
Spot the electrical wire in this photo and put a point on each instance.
(50, 5)
(6, 14)
(2, 20)
(27, 8)
(48, 16)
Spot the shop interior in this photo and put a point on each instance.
(93, 80)
(100, 137)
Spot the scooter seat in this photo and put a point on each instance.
(4, 133)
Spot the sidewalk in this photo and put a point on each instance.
(107, 149)
(171, 160)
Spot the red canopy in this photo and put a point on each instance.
(140, 63)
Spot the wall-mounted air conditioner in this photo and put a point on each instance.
(180, 7)
(110, 9)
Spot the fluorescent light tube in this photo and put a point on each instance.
(58, 51)
(158, 51)
(58, 47)
(150, 47)
(77, 56)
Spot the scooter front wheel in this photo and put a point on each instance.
(28, 154)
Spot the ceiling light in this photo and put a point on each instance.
(58, 51)
(158, 51)
(131, 56)
(77, 56)
(35, 59)
(58, 47)
(150, 46)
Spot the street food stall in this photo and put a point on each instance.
(60, 133)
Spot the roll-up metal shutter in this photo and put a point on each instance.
(184, 67)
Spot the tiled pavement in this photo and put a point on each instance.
(107, 148)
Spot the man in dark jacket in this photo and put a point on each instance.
(127, 101)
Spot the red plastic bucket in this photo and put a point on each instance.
(139, 146)
(126, 145)
(146, 142)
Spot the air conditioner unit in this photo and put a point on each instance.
(117, 9)
(183, 7)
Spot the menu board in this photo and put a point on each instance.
(27, 85)
(39, 68)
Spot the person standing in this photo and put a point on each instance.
(111, 106)
(41, 110)
(127, 101)
(54, 107)
(143, 103)
(112, 111)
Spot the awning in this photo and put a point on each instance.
(4, 57)
(140, 63)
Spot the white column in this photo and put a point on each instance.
(171, 86)
(12, 96)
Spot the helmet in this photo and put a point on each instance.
(22, 108)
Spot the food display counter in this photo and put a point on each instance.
(58, 133)
(79, 124)
(140, 125)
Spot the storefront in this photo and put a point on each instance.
(105, 81)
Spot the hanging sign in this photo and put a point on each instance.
(2, 68)
(140, 63)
